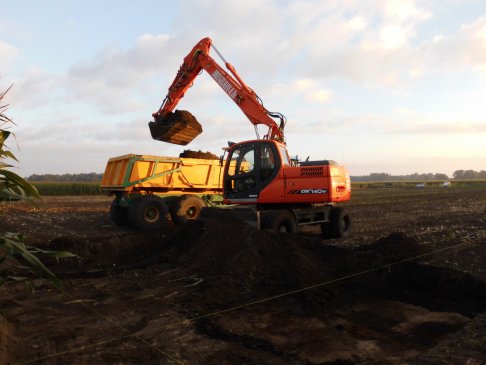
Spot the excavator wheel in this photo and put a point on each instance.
(147, 212)
(340, 223)
(279, 221)
(179, 127)
(186, 208)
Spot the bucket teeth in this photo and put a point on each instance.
(179, 127)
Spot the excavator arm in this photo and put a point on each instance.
(181, 127)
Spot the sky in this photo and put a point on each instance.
(395, 86)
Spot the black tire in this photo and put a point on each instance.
(147, 212)
(326, 230)
(186, 208)
(119, 214)
(340, 223)
(279, 221)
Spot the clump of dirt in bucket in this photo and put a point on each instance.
(179, 127)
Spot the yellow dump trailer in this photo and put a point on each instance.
(162, 174)
(148, 188)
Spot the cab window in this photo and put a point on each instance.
(285, 156)
(267, 162)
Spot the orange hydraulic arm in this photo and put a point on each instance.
(246, 99)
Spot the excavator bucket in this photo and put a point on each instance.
(179, 127)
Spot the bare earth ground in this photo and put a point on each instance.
(408, 287)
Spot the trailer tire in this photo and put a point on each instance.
(340, 223)
(147, 212)
(186, 208)
(279, 221)
(119, 214)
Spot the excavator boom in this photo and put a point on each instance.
(181, 127)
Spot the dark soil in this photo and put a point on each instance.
(408, 287)
(178, 127)
(199, 154)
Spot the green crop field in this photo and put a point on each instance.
(68, 188)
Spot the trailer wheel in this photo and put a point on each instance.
(118, 214)
(186, 208)
(147, 212)
(340, 223)
(279, 221)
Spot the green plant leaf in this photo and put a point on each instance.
(8, 154)
(34, 263)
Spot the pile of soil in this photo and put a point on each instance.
(199, 154)
(231, 254)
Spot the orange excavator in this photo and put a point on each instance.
(278, 193)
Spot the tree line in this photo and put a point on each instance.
(468, 174)
(457, 175)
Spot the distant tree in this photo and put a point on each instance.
(379, 176)
(471, 174)
(458, 175)
(468, 174)
(441, 177)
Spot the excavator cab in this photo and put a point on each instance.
(251, 166)
(179, 127)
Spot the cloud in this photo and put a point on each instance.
(114, 80)
(305, 89)
(35, 88)
(8, 54)
(462, 51)
(400, 122)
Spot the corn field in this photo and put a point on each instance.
(68, 188)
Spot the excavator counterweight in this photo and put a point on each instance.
(179, 127)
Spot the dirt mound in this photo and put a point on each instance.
(199, 154)
(232, 255)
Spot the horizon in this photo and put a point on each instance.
(393, 85)
(450, 177)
